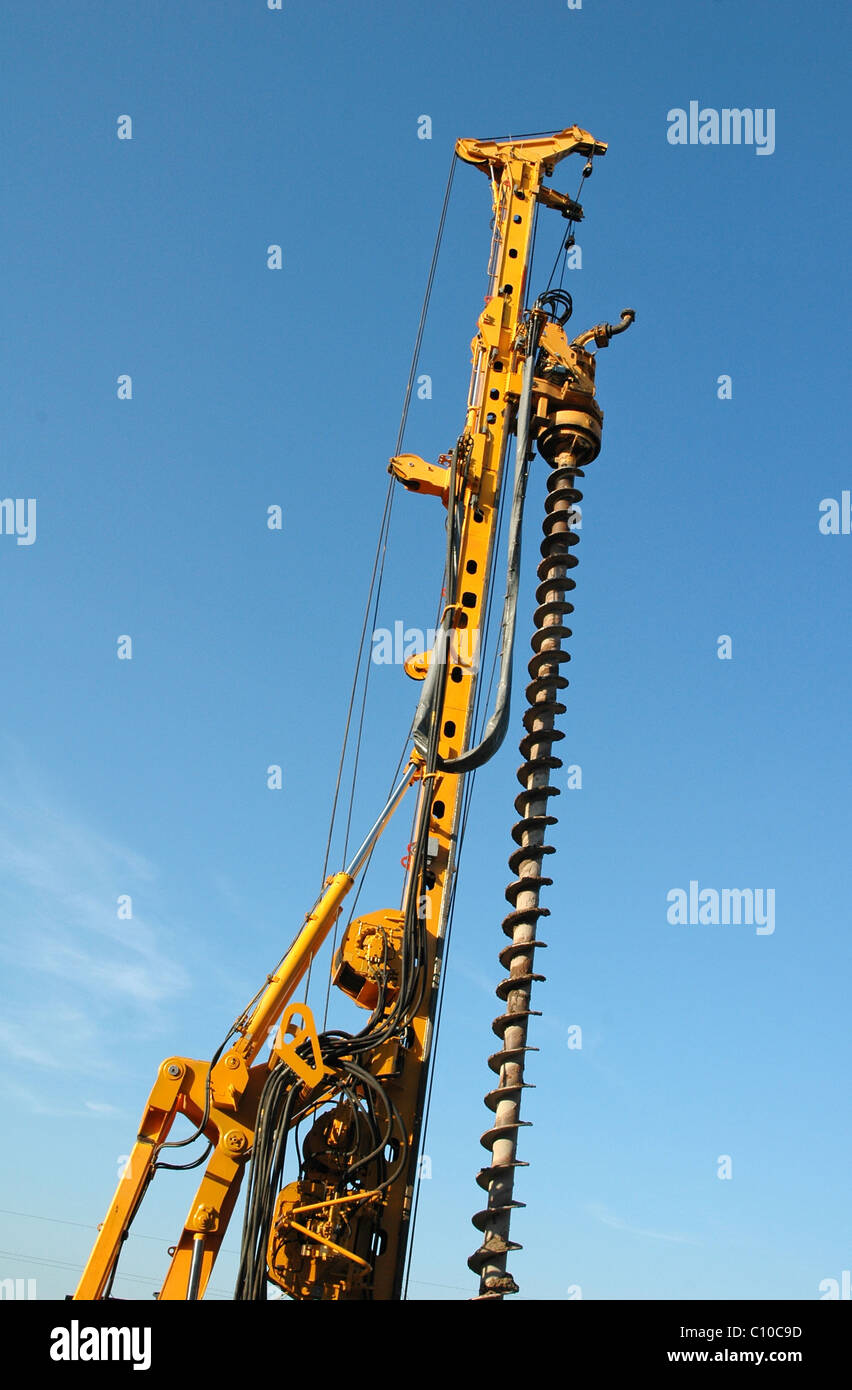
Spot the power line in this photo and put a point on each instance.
(40, 1260)
(84, 1226)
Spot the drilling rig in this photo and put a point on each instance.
(344, 1111)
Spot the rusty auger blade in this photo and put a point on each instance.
(569, 433)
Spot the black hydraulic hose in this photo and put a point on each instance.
(495, 729)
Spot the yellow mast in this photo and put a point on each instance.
(333, 1236)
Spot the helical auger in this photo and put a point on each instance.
(568, 436)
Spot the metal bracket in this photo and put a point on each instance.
(301, 1033)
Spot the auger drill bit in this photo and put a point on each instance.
(569, 436)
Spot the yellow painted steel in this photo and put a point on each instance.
(282, 984)
(228, 1094)
(516, 170)
(222, 1099)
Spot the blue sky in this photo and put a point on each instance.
(254, 387)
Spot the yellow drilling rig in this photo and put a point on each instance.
(343, 1112)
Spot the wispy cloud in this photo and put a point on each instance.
(38, 1101)
(483, 983)
(77, 976)
(607, 1217)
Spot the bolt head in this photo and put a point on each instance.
(205, 1218)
